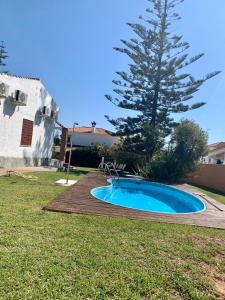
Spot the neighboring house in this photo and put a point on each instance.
(216, 154)
(27, 121)
(86, 136)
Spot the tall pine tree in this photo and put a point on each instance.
(155, 86)
(3, 55)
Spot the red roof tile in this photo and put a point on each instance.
(216, 146)
(83, 129)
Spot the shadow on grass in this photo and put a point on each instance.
(77, 172)
(43, 178)
(208, 189)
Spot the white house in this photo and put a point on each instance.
(86, 136)
(216, 154)
(27, 121)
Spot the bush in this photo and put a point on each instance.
(188, 144)
(88, 156)
(91, 157)
(122, 155)
(164, 167)
(132, 160)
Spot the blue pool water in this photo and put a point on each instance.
(148, 196)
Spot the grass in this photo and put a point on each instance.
(46, 255)
(220, 197)
(85, 169)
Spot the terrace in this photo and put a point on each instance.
(78, 199)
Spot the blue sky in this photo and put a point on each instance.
(68, 44)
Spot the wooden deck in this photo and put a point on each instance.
(77, 199)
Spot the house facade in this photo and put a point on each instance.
(216, 154)
(27, 121)
(87, 136)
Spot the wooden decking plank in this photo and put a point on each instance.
(78, 199)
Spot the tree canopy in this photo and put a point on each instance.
(155, 87)
(3, 55)
(187, 146)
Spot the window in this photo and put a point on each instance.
(27, 133)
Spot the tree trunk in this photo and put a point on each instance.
(150, 150)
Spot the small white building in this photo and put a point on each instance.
(87, 136)
(216, 154)
(27, 121)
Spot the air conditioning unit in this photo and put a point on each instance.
(20, 98)
(45, 112)
(4, 90)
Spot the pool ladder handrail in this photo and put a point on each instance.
(108, 169)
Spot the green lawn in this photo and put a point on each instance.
(45, 255)
(217, 196)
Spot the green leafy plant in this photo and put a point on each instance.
(3, 54)
(188, 144)
(88, 156)
(155, 87)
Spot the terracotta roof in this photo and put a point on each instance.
(17, 76)
(216, 146)
(98, 131)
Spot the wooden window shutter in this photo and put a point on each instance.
(27, 133)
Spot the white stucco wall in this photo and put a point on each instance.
(11, 120)
(215, 155)
(87, 139)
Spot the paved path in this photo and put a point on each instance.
(77, 199)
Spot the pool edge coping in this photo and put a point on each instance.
(78, 200)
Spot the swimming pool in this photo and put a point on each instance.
(148, 196)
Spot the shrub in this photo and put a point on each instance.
(164, 167)
(188, 144)
(88, 156)
(132, 160)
